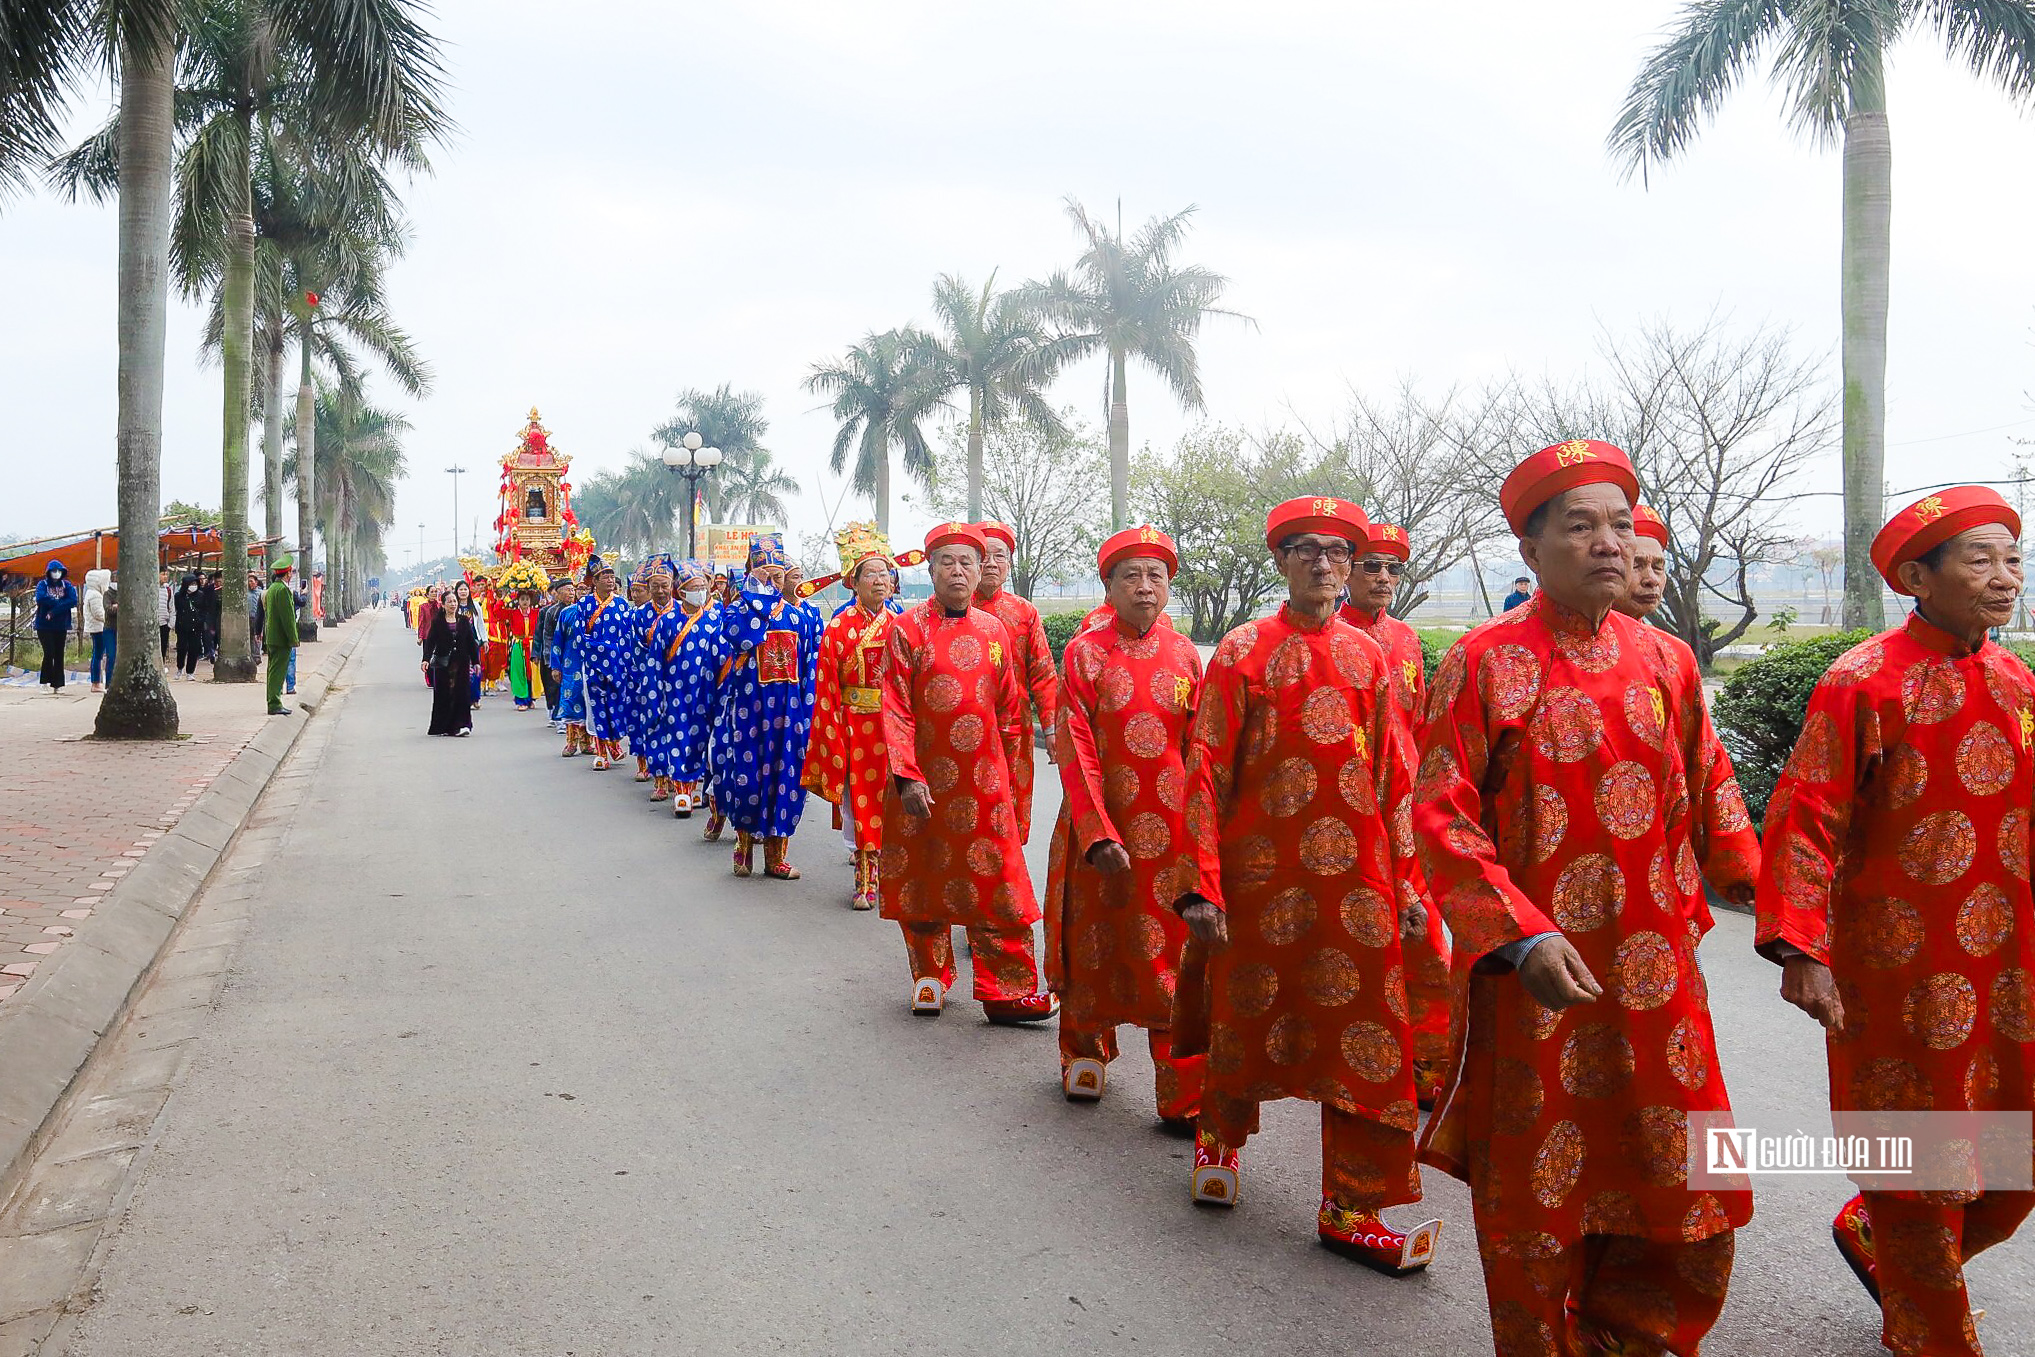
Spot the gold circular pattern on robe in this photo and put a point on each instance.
(1287, 917)
(1596, 1061)
(1517, 1332)
(1290, 1040)
(2013, 842)
(1288, 663)
(1120, 787)
(1438, 773)
(1001, 821)
(1815, 755)
(1252, 987)
(1330, 978)
(960, 814)
(1612, 1213)
(1645, 974)
(1731, 812)
(1625, 799)
(966, 733)
(1591, 654)
(1252, 861)
(1568, 727)
(1688, 1060)
(2013, 1004)
(1352, 659)
(1887, 1084)
(1353, 780)
(1706, 1219)
(957, 896)
(1546, 815)
(1509, 678)
(1327, 847)
(988, 777)
(1086, 662)
(1929, 1251)
(1448, 680)
(1395, 995)
(1466, 838)
(1939, 849)
(964, 653)
(1687, 874)
(1261, 731)
(1588, 893)
(1656, 1141)
(1146, 836)
(1164, 686)
(943, 693)
(890, 860)
(1537, 1021)
(1666, 895)
(1984, 920)
(1325, 717)
(941, 774)
(1115, 689)
(1368, 917)
(1171, 787)
(1862, 661)
(1092, 945)
(1372, 1051)
(1888, 931)
(984, 859)
(1640, 716)
(1148, 937)
(1932, 691)
(1225, 1049)
(1981, 1081)
(1705, 1271)
(1941, 1010)
(1558, 1164)
(1986, 760)
(1516, 1097)
(1288, 788)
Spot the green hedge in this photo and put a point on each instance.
(1759, 713)
(1060, 629)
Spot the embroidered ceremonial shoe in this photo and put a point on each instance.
(1426, 1084)
(659, 790)
(1217, 1169)
(681, 805)
(716, 822)
(929, 996)
(745, 853)
(642, 771)
(1084, 1079)
(775, 849)
(1853, 1232)
(1363, 1236)
(1031, 1008)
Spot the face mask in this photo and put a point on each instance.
(695, 598)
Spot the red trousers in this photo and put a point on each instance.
(1919, 1253)
(1602, 1293)
(1006, 964)
(1365, 1166)
(1178, 1080)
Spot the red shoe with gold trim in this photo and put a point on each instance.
(1363, 1236)
(1031, 1008)
(1853, 1232)
(1218, 1171)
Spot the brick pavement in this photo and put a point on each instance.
(76, 815)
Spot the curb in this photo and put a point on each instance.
(49, 1031)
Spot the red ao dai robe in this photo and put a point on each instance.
(845, 762)
(1113, 940)
(954, 719)
(1034, 658)
(1571, 781)
(1297, 790)
(1898, 855)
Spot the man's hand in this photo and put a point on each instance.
(1807, 984)
(557, 677)
(1412, 920)
(1554, 974)
(1109, 858)
(917, 799)
(1209, 925)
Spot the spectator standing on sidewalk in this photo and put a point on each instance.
(56, 598)
(98, 625)
(208, 603)
(190, 618)
(279, 636)
(163, 612)
(254, 617)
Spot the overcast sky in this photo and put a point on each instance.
(645, 197)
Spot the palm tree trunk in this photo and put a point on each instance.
(272, 443)
(307, 481)
(882, 479)
(138, 705)
(1119, 444)
(236, 655)
(974, 455)
(1867, 252)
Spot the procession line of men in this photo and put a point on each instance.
(1307, 870)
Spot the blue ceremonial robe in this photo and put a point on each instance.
(688, 653)
(568, 657)
(606, 636)
(766, 710)
(645, 691)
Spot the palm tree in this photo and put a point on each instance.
(882, 389)
(753, 490)
(723, 418)
(995, 348)
(632, 510)
(47, 49)
(1128, 299)
(1830, 57)
(361, 448)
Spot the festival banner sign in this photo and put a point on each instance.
(728, 543)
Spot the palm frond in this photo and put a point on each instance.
(91, 168)
(1995, 38)
(1686, 79)
(1830, 61)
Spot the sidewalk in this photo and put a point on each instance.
(77, 815)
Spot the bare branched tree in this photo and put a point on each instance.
(1050, 484)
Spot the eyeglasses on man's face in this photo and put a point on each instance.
(1335, 553)
(1393, 568)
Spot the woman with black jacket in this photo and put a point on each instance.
(451, 649)
(189, 610)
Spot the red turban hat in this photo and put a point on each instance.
(1318, 513)
(1933, 520)
(948, 534)
(1133, 542)
(991, 528)
(1580, 461)
(1647, 523)
(1389, 539)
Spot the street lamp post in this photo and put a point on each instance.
(693, 462)
(455, 472)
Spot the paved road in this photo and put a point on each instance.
(509, 1064)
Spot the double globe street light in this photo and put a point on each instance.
(693, 462)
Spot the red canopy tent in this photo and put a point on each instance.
(188, 547)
